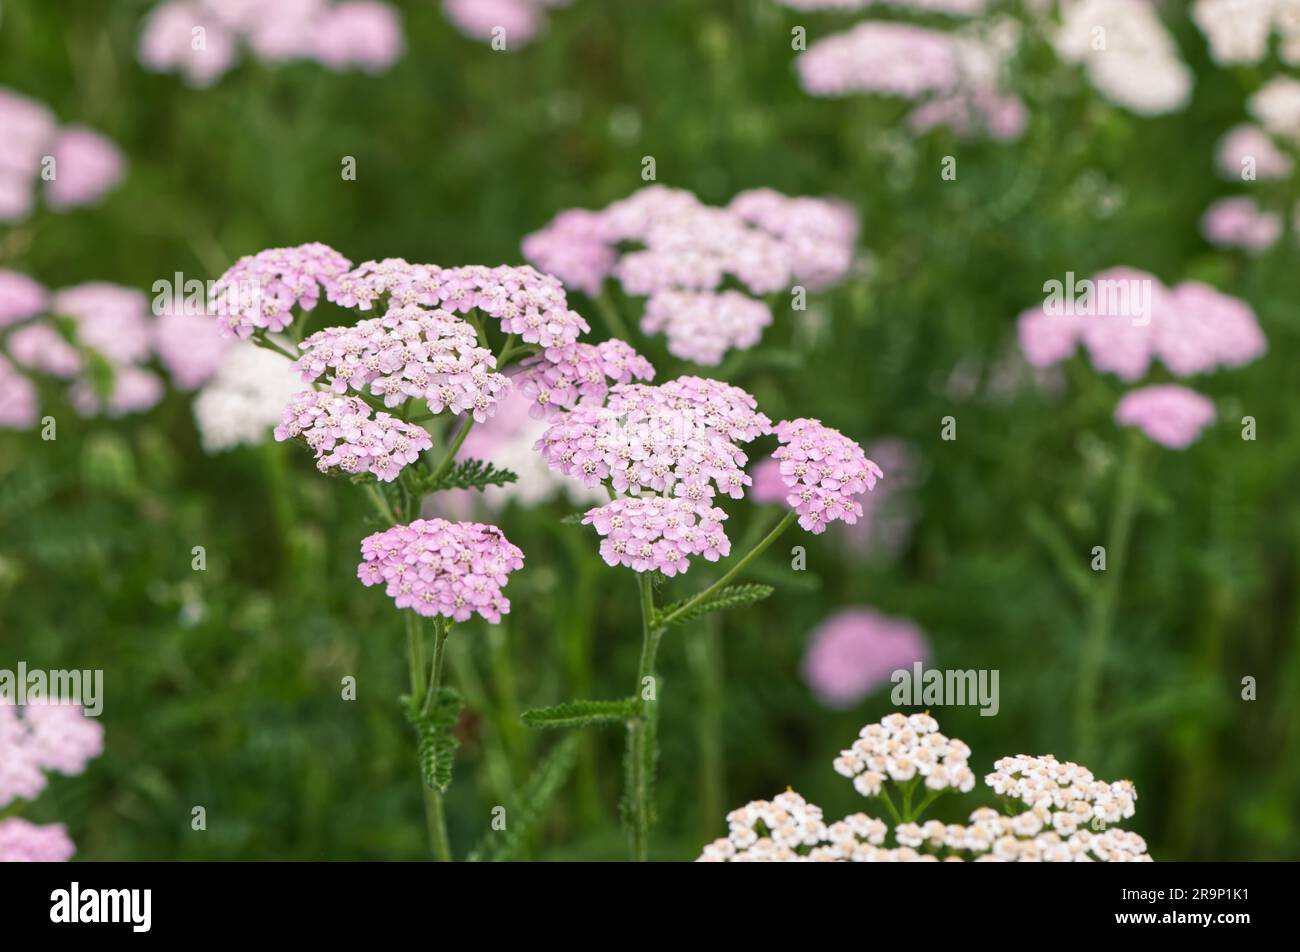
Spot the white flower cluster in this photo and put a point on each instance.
(1066, 808)
(1129, 56)
(245, 399)
(1238, 31)
(901, 748)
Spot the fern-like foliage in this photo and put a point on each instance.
(729, 597)
(467, 474)
(435, 730)
(532, 802)
(582, 713)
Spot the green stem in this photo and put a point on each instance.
(1101, 616)
(642, 744)
(261, 340)
(736, 569)
(704, 655)
(435, 817)
(381, 503)
(610, 315)
(450, 458)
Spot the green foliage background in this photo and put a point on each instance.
(223, 687)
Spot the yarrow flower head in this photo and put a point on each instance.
(900, 748)
(1138, 67)
(345, 437)
(855, 650)
(21, 298)
(1239, 222)
(86, 164)
(824, 472)
(246, 397)
(1052, 807)
(1169, 414)
(667, 245)
(678, 438)
(526, 302)
(435, 567)
(360, 34)
(561, 377)
(408, 353)
(658, 533)
(24, 842)
(260, 291)
(1191, 328)
(37, 738)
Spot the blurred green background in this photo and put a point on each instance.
(223, 687)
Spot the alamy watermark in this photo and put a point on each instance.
(56, 686)
(937, 687)
(1100, 297)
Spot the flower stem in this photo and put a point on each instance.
(261, 340)
(612, 318)
(434, 816)
(642, 740)
(736, 569)
(450, 458)
(1101, 616)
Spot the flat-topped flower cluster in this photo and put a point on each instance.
(1056, 812)
(667, 245)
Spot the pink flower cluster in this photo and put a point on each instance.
(952, 7)
(452, 569)
(200, 39)
(855, 650)
(1169, 414)
(526, 302)
(1239, 222)
(1191, 328)
(710, 403)
(37, 738)
(658, 533)
(953, 77)
(24, 842)
(191, 346)
(678, 438)
(703, 325)
(560, 378)
(824, 472)
(514, 22)
(408, 353)
(110, 322)
(78, 164)
(260, 291)
(1249, 153)
(765, 241)
(345, 437)
(887, 515)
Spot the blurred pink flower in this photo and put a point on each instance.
(24, 842)
(1003, 118)
(17, 399)
(363, 33)
(40, 347)
(21, 298)
(1192, 328)
(86, 165)
(1246, 145)
(1240, 223)
(520, 20)
(1169, 414)
(183, 37)
(133, 390)
(855, 650)
(191, 347)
